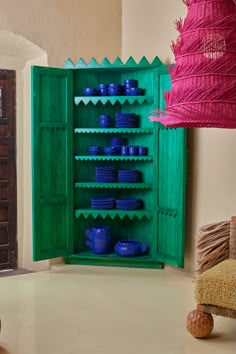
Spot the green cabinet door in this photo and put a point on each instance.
(52, 162)
(171, 189)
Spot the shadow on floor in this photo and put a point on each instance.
(8, 273)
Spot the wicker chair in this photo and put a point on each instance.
(215, 292)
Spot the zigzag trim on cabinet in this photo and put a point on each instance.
(131, 214)
(118, 63)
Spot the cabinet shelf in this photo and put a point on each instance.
(113, 131)
(112, 99)
(131, 214)
(116, 185)
(114, 158)
(111, 259)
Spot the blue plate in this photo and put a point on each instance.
(103, 199)
(105, 168)
(130, 200)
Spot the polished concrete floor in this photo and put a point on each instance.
(89, 310)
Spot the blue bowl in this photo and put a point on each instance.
(102, 86)
(133, 91)
(142, 150)
(95, 150)
(130, 248)
(117, 142)
(114, 92)
(89, 91)
(103, 92)
(104, 121)
(133, 150)
(131, 83)
(114, 86)
(124, 150)
(110, 150)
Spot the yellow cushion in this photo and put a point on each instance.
(217, 286)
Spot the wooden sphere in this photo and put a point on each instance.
(199, 324)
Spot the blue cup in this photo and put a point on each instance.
(133, 150)
(99, 239)
(125, 150)
(142, 150)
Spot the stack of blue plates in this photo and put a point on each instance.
(129, 204)
(105, 174)
(129, 176)
(103, 203)
(126, 120)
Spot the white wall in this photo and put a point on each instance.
(66, 28)
(46, 32)
(147, 29)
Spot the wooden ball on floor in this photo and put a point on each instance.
(199, 324)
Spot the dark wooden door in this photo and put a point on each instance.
(8, 240)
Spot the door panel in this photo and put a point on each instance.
(171, 188)
(52, 157)
(8, 198)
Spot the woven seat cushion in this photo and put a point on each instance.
(217, 286)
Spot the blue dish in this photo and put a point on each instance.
(130, 248)
(114, 86)
(117, 142)
(105, 168)
(110, 150)
(131, 83)
(104, 121)
(102, 86)
(89, 91)
(95, 150)
(142, 150)
(103, 92)
(124, 115)
(100, 199)
(133, 150)
(133, 91)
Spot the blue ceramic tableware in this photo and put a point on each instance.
(102, 86)
(130, 248)
(111, 150)
(130, 83)
(133, 150)
(124, 150)
(133, 91)
(104, 121)
(89, 91)
(95, 150)
(103, 92)
(99, 239)
(116, 141)
(142, 150)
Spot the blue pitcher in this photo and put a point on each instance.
(99, 239)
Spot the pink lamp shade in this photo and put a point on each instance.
(203, 92)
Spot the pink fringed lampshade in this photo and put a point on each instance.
(203, 92)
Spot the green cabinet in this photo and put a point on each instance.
(64, 125)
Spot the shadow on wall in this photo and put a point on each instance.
(18, 53)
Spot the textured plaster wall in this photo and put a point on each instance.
(47, 32)
(72, 28)
(147, 29)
